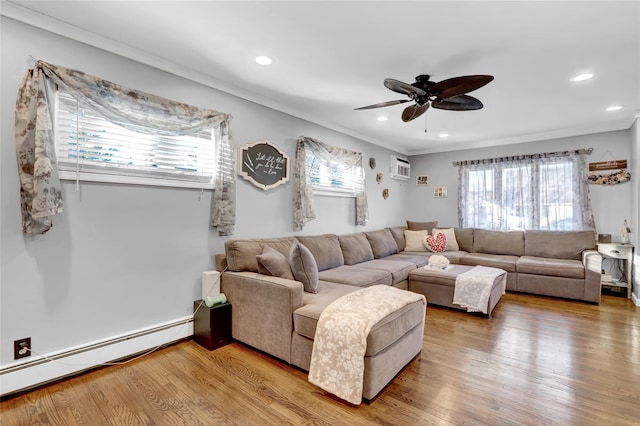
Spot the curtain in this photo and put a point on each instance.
(303, 204)
(542, 191)
(223, 215)
(142, 112)
(40, 194)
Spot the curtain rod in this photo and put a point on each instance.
(586, 151)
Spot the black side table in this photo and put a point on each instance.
(212, 326)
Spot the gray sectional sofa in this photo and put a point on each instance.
(276, 315)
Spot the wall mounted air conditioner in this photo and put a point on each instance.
(400, 168)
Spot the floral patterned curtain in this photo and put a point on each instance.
(303, 204)
(223, 215)
(542, 191)
(40, 194)
(40, 187)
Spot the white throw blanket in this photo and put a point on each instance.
(337, 360)
(473, 287)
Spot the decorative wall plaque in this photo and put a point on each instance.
(422, 180)
(263, 164)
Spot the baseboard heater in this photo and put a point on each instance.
(42, 369)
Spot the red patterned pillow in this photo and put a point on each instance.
(437, 243)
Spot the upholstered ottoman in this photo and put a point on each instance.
(438, 286)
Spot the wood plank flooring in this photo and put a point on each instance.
(537, 361)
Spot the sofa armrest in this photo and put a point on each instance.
(262, 310)
(592, 261)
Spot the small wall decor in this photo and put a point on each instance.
(596, 177)
(440, 192)
(263, 164)
(372, 163)
(379, 178)
(422, 180)
(385, 193)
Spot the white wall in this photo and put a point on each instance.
(123, 258)
(611, 204)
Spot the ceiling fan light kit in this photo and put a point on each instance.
(447, 94)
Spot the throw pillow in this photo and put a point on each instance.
(437, 243)
(452, 243)
(272, 262)
(421, 226)
(304, 267)
(414, 240)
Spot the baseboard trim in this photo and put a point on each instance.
(45, 368)
(635, 299)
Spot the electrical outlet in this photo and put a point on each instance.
(22, 348)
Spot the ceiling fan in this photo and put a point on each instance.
(447, 94)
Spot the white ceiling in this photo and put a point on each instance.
(331, 57)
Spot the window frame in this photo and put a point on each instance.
(500, 218)
(333, 190)
(70, 170)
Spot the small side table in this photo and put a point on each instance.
(212, 326)
(623, 252)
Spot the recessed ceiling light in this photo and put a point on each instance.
(263, 60)
(444, 135)
(382, 118)
(614, 108)
(582, 77)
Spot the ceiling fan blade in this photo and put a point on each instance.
(459, 85)
(414, 111)
(404, 88)
(384, 104)
(458, 103)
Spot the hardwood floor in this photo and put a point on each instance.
(537, 361)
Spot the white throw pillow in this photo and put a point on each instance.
(414, 240)
(452, 243)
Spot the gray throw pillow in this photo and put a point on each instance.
(304, 267)
(272, 262)
(421, 226)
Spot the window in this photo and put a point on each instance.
(333, 178)
(88, 147)
(544, 191)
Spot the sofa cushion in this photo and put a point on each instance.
(464, 237)
(415, 240)
(382, 243)
(498, 242)
(421, 226)
(325, 249)
(359, 277)
(418, 259)
(398, 234)
(384, 333)
(558, 244)
(398, 269)
(304, 267)
(452, 243)
(272, 262)
(355, 248)
(241, 253)
(567, 268)
(505, 262)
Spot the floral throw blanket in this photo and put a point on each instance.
(337, 360)
(473, 287)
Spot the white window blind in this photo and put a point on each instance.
(88, 147)
(335, 178)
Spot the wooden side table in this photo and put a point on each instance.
(212, 326)
(623, 252)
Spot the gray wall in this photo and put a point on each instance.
(634, 224)
(122, 258)
(611, 204)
